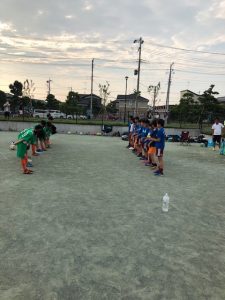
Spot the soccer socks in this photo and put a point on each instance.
(24, 163)
(33, 149)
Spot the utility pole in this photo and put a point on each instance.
(168, 92)
(49, 85)
(155, 89)
(92, 79)
(125, 108)
(138, 71)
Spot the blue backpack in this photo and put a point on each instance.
(222, 149)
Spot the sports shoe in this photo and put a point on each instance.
(29, 165)
(142, 158)
(147, 164)
(158, 173)
(35, 154)
(131, 148)
(39, 150)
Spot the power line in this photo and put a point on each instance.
(188, 50)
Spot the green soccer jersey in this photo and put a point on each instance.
(27, 135)
(48, 131)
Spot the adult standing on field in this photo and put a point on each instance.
(6, 107)
(217, 130)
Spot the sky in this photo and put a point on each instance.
(42, 40)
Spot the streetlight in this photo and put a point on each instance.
(125, 108)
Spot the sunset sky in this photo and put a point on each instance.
(58, 39)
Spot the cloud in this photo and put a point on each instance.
(59, 39)
(215, 11)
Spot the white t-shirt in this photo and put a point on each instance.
(6, 107)
(217, 128)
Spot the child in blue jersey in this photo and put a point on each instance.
(160, 145)
(137, 129)
(140, 129)
(133, 131)
(144, 139)
(151, 145)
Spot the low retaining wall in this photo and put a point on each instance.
(85, 129)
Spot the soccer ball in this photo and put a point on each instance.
(69, 132)
(81, 133)
(12, 147)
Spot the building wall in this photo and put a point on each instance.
(195, 96)
(130, 107)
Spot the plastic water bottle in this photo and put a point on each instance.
(165, 204)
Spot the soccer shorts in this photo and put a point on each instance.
(217, 139)
(152, 150)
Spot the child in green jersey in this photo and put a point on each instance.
(26, 138)
(41, 137)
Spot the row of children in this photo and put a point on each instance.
(38, 138)
(147, 141)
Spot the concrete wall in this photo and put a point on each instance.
(74, 128)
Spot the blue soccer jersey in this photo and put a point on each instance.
(154, 135)
(161, 137)
(144, 132)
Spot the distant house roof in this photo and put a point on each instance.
(221, 99)
(131, 97)
(188, 91)
(9, 95)
(88, 95)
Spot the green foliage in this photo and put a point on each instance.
(38, 104)
(111, 108)
(16, 89)
(52, 102)
(203, 110)
(208, 103)
(2, 99)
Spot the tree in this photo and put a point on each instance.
(111, 108)
(186, 108)
(52, 102)
(38, 104)
(104, 94)
(208, 105)
(2, 99)
(72, 98)
(28, 93)
(16, 89)
(155, 90)
(71, 105)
